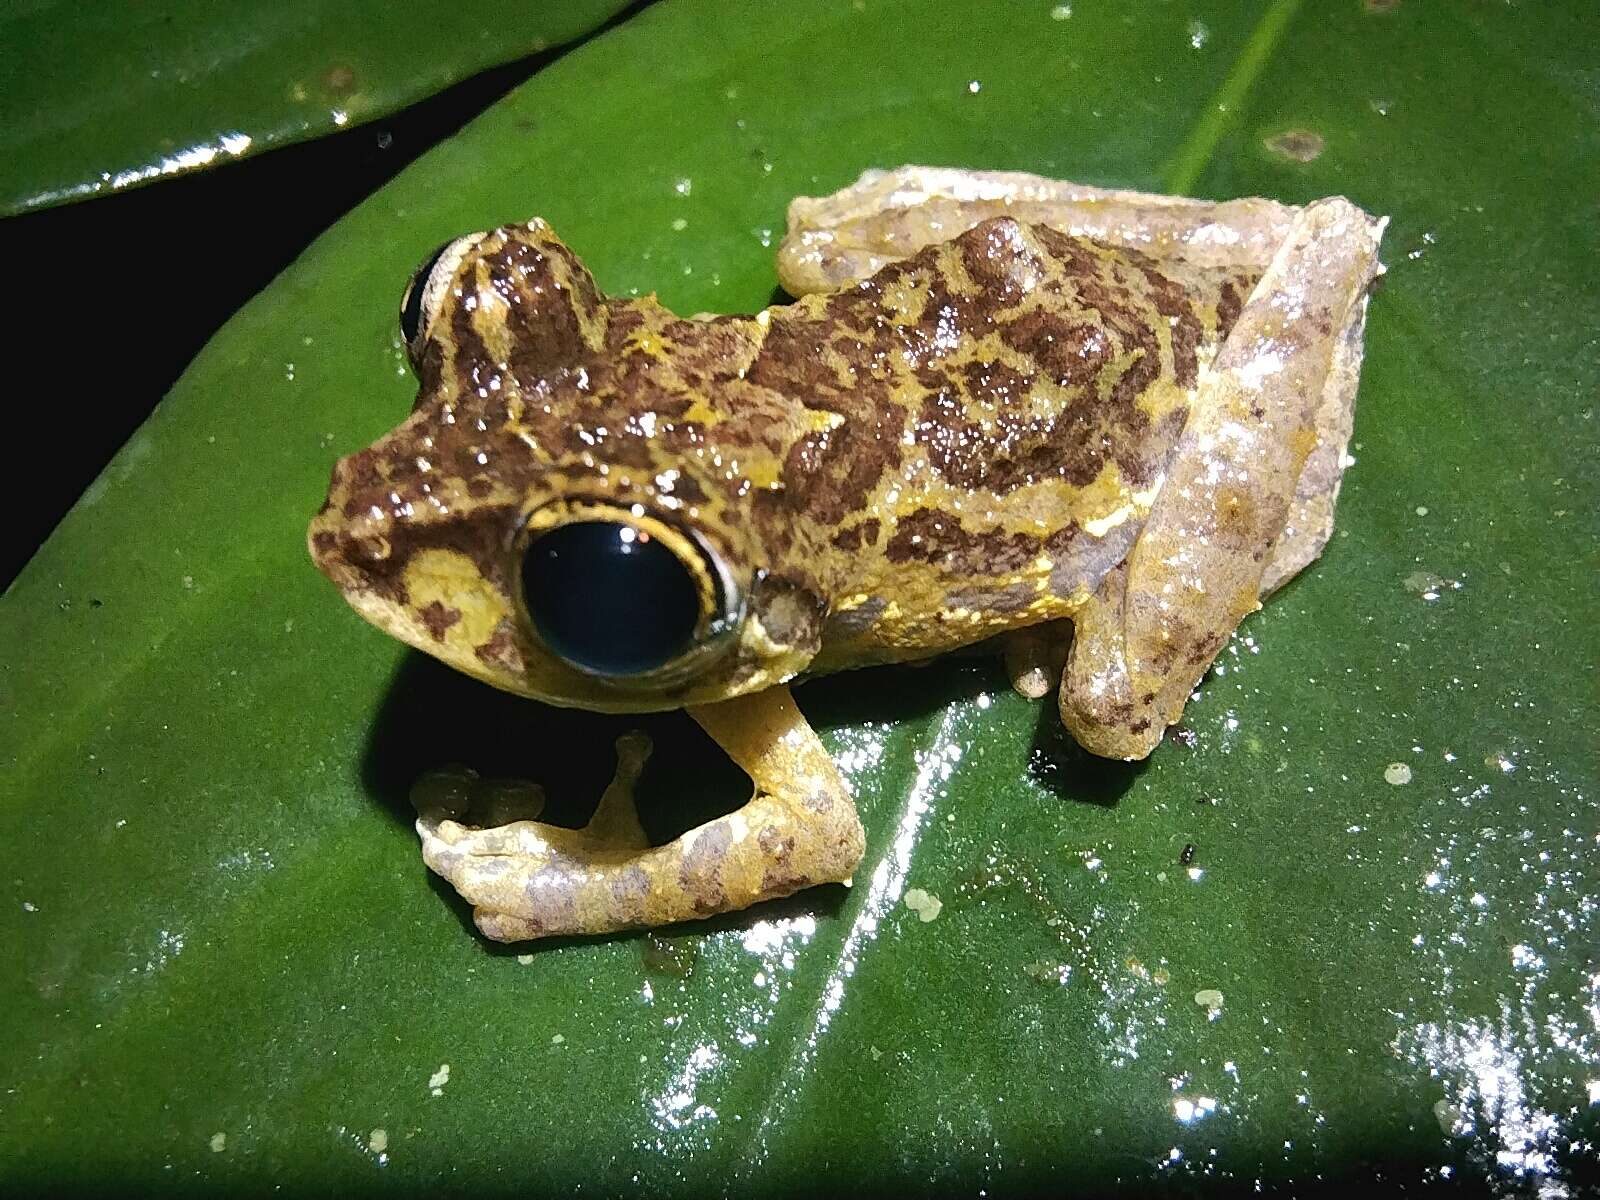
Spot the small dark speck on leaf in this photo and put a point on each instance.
(96, 604)
(675, 957)
(1187, 856)
(1297, 145)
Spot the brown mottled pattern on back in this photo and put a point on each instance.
(889, 440)
(931, 535)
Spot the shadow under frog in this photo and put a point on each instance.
(433, 717)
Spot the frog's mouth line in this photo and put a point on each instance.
(625, 597)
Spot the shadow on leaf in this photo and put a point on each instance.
(1070, 771)
(433, 717)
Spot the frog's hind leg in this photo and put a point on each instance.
(1310, 522)
(1223, 527)
(527, 879)
(885, 216)
(1096, 687)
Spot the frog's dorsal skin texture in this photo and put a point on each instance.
(1005, 402)
(963, 444)
(1249, 496)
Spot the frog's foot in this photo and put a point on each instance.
(1310, 522)
(1237, 513)
(527, 879)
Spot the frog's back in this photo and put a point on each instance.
(998, 413)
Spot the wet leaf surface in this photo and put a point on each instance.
(223, 966)
(104, 97)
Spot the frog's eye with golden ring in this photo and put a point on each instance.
(623, 598)
(411, 302)
(423, 293)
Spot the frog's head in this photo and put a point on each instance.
(554, 516)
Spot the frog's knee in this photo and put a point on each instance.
(1107, 727)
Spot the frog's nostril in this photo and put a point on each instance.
(372, 548)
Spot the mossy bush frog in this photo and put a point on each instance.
(1002, 408)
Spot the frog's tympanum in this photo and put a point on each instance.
(1002, 408)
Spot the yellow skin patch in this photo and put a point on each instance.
(1002, 404)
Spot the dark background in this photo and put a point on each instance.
(114, 296)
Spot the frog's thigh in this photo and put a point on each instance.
(529, 879)
(1096, 695)
(1198, 565)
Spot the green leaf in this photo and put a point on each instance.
(216, 922)
(101, 97)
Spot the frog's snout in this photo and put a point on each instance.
(346, 558)
(352, 550)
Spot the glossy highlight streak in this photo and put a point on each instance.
(1183, 169)
(935, 765)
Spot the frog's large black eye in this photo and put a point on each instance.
(609, 598)
(411, 306)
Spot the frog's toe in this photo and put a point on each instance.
(524, 877)
(1034, 657)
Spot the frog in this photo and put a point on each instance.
(1086, 429)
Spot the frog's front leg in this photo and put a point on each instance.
(527, 879)
(1233, 488)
